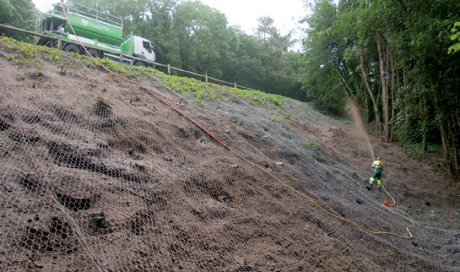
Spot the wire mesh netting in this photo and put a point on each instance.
(98, 175)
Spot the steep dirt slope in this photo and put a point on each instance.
(137, 187)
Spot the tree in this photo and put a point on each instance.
(455, 36)
(400, 49)
(203, 38)
(18, 13)
(266, 30)
(321, 60)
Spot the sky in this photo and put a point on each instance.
(245, 13)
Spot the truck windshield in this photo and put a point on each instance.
(147, 46)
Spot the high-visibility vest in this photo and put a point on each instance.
(377, 164)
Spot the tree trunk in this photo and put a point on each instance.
(424, 117)
(384, 83)
(407, 106)
(454, 136)
(449, 142)
(398, 93)
(393, 87)
(445, 145)
(344, 82)
(371, 95)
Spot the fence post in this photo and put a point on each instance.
(206, 77)
(169, 69)
(121, 57)
(234, 85)
(59, 45)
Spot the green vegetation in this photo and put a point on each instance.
(288, 115)
(196, 37)
(102, 107)
(392, 57)
(455, 37)
(237, 120)
(35, 74)
(101, 104)
(311, 145)
(259, 98)
(18, 13)
(25, 54)
(190, 87)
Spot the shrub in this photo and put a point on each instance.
(311, 145)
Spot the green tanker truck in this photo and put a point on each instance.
(100, 33)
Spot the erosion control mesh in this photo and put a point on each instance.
(98, 175)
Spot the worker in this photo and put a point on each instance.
(377, 167)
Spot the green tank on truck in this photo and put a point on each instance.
(99, 32)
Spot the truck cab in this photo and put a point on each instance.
(142, 48)
(138, 47)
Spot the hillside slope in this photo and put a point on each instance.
(98, 175)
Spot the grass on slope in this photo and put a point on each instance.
(28, 55)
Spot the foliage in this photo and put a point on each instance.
(100, 103)
(392, 58)
(35, 74)
(203, 37)
(311, 145)
(455, 36)
(323, 87)
(191, 87)
(259, 98)
(23, 54)
(196, 37)
(18, 13)
(102, 107)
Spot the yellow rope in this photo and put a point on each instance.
(332, 214)
(392, 199)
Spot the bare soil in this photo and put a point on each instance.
(137, 187)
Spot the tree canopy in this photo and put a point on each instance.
(18, 13)
(194, 36)
(393, 58)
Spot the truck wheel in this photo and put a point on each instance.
(94, 53)
(72, 48)
(139, 64)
